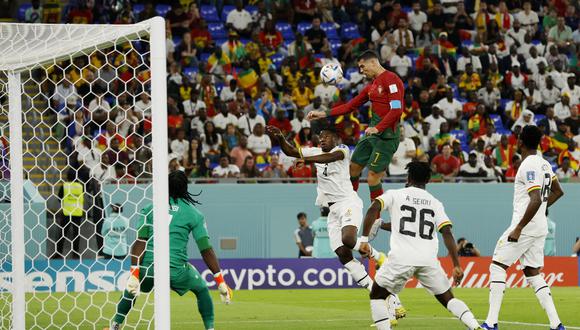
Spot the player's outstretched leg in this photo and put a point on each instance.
(375, 185)
(379, 308)
(123, 307)
(205, 307)
(344, 253)
(497, 276)
(459, 309)
(542, 290)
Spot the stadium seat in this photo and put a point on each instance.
(217, 31)
(335, 46)
(286, 30)
(252, 9)
(349, 31)
(262, 167)
(245, 41)
(219, 87)
(277, 60)
(287, 43)
(162, 9)
(137, 9)
(467, 43)
(406, 9)
(204, 57)
(503, 103)
(275, 150)
(460, 135)
(503, 131)
(348, 73)
(539, 117)
(220, 42)
(496, 121)
(177, 41)
(209, 13)
(189, 72)
(22, 11)
(303, 27)
(226, 10)
(330, 30)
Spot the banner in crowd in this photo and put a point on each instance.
(252, 274)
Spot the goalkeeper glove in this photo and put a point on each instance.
(133, 284)
(375, 229)
(225, 292)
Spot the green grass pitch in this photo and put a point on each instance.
(299, 309)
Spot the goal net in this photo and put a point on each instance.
(82, 112)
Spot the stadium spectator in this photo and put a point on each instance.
(225, 169)
(240, 19)
(405, 153)
(114, 232)
(445, 164)
(561, 34)
(280, 121)
(187, 51)
(550, 94)
(115, 154)
(303, 236)
(467, 57)
(249, 169)
(80, 14)
(469, 80)
(248, 121)
(565, 172)
(504, 153)
(300, 170)
(272, 80)
(211, 142)
(240, 152)
(71, 195)
(562, 108)
(180, 146)
(479, 123)
(259, 144)
(299, 122)
(265, 105)
(302, 95)
(451, 108)
(321, 245)
(403, 36)
(328, 94)
(493, 172)
(224, 118)
(572, 89)
(526, 118)
(472, 168)
(231, 137)
(511, 172)
(201, 36)
(466, 248)
(401, 63)
(316, 37)
(34, 13)
(417, 18)
(443, 137)
(573, 122)
(348, 129)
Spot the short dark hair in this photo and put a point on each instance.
(531, 136)
(419, 172)
(328, 128)
(367, 55)
(301, 215)
(324, 211)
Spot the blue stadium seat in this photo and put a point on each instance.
(287, 43)
(406, 9)
(460, 135)
(467, 43)
(219, 87)
(286, 30)
(252, 9)
(334, 46)
(213, 165)
(226, 10)
(413, 58)
(22, 11)
(217, 31)
(209, 13)
(262, 167)
(137, 9)
(245, 41)
(189, 71)
(275, 150)
(303, 27)
(503, 131)
(496, 121)
(318, 56)
(349, 31)
(503, 103)
(349, 72)
(204, 57)
(277, 60)
(539, 117)
(220, 42)
(162, 9)
(177, 40)
(330, 30)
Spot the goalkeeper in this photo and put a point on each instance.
(184, 218)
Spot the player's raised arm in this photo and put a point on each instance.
(342, 109)
(325, 158)
(555, 191)
(287, 148)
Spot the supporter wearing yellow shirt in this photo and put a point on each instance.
(291, 75)
(302, 95)
(469, 81)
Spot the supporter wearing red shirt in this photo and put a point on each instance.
(200, 36)
(80, 15)
(511, 172)
(279, 120)
(270, 37)
(300, 170)
(445, 164)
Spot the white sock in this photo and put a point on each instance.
(497, 276)
(462, 312)
(544, 295)
(374, 253)
(359, 273)
(380, 314)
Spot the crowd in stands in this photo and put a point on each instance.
(475, 73)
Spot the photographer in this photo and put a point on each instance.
(466, 248)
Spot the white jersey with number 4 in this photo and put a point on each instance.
(333, 178)
(415, 217)
(535, 173)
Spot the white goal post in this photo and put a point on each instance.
(25, 50)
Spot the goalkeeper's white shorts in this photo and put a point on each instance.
(348, 212)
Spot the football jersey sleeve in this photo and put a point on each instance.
(441, 218)
(308, 151)
(386, 200)
(531, 177)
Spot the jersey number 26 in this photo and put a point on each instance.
(423, 222)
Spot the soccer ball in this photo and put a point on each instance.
(331, 74)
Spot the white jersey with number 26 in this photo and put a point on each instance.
(534, 173)
(415, 217)
(333, 178)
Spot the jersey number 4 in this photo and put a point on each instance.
(423, 222)
(325, 170)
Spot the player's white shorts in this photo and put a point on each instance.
(530, 250)
(393, 277)
(348, 212)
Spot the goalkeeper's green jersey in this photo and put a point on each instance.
(183, 219)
